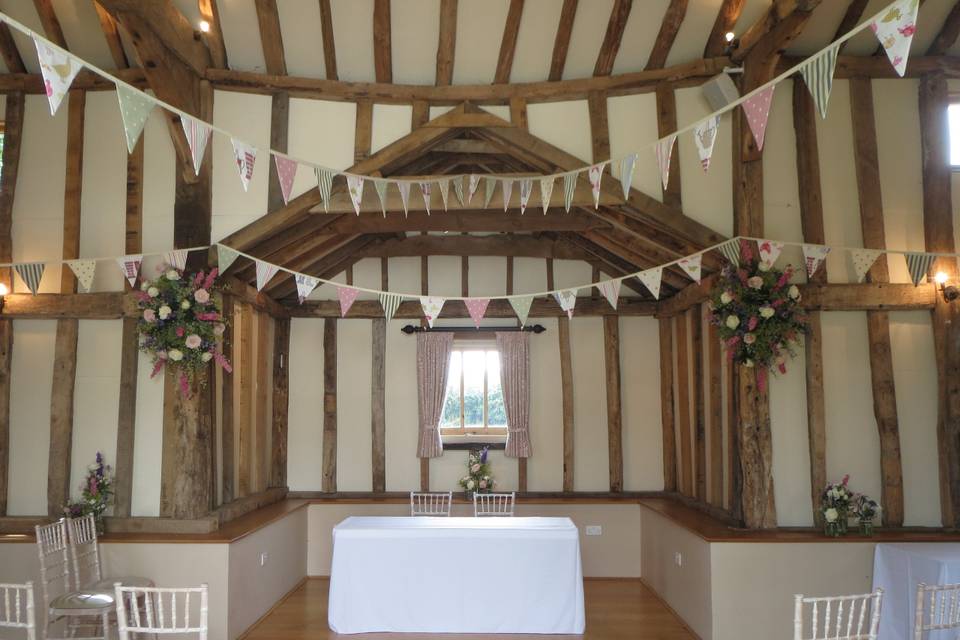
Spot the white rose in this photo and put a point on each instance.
(185, 304)
(470, 484)
(732, 322)
(165, 312)
(764, 265)
(207, 356)
(793, 292)
(173, 274)
(175, 354)
(726, 298)
(144, 286)
(831, 515)
(153, 292)
(767, 312)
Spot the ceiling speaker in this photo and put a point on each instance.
(719, 91)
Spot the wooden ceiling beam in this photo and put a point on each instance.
(11, 55)
(611, 39)
(447, 44)
(542, 307)
(214, 37)
(561, 43)
(170, 28)
(948, 32)
(271, 38)
(515, 245)
(382, 42)
(329, 44)
(778, 26)
(726, 20)
(508, 43)
(851, 18)
(669, 28)
(473, 220)
(50, 22)
(610, 263)
(111, 31)
(320, 264)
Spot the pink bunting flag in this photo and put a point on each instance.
(286, 172)
(355, 187)
(769, 252)
(595, 174)
(664, 154)
(265, 271)
(347, 295)
(757, 108)
(130, 265)
(476, 307)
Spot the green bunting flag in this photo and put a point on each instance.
(818, 76)
(135, 108)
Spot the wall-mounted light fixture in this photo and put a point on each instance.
(204, 26)
(3, 293)
(950, 292)
(733, 43)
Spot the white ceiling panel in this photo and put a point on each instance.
(479, 31)
(640, 32)
(415, 32)
(589, 28)
(694, 31)
(353, 36)
(538, 30)
(241, 35)
(302, 38)
(24, 12)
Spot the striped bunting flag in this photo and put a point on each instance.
(490, 185)
(404, 188)
(626, 173)
(521, 306)
(198, 134)
(731, 251)
(918, 264)
(265, 271)
(507, 186)
(381, 188)
(225, 257)
(444, 191)
(31, 273)
(569, 187)
(818, 76)
(325, 184)
(611, 291)
(651, 279)
(426, 188)
(458, 189)
(84, 270)
(546, 192)
(176, 258)
(389, 302)
(474, 183)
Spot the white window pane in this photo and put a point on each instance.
(953, 112)
(473, 368)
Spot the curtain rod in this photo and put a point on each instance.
(411, 329)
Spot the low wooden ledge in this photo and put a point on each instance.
(530, 497)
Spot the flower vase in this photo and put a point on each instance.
(866, 527)
(468, 495)
(843, 522)
(99, 523)
(831, 529)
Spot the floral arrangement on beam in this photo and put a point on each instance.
(96, 491)
(478, 478)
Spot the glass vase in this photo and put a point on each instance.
(843, 521)
(866, 527)
(831, 529)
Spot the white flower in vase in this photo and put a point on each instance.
(831, 515)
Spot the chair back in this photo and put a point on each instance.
(493, 504)
(54, 562)
(160, 610)
(854, 617)
(84, 551)
(430, 504)
(16, 608)
(938, 608)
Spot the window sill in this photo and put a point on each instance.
(469, 443)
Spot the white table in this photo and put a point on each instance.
(898, 569)
(456, 575)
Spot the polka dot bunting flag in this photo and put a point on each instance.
(757, 109)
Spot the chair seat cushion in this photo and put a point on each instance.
(106, 585)
(82, 602)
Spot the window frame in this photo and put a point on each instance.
(953, 100)
(482, 346)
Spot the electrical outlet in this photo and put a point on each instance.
(594, 530)
(678, 559)
(263, 559)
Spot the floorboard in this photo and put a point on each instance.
(616, 609)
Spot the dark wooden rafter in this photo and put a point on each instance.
(382, 42)
(447, 44)
(611, 351)
(508, 43)
(271, 39)
(610, 47)
(599, 126)
(561, 43)
(9, 52)
(111, 31)
(329, 452)
(772, 33)
(669, 28)
(727, 18)
(329, 44)
(50, 22)
(851, 18)
(213, 38)
(948, 33)
(667, 405)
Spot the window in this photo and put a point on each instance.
(473, 405)
(953, 116)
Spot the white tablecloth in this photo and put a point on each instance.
(456, 575)
(898, 568)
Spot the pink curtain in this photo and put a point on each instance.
(514, 350)
(433, 356)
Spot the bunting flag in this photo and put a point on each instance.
(610, 291)
(381, 187)
(59, 69)
(664, 153)
(84, 271)
(245, 156)
(918, 264)
(135, 108)
(569, 188)
(458, 189)
(626, 173)
(404, 189)
(474, 183)
(305, 286)
(346, 295)
(862, 260)
(567, 299)
(705, 136)
(325, 185)
(389, 302)
(176, 258)
(425, 190)
(197, 133)
(521, 306)
(355, 187)
(757, 108)
(431, 308)
(489, 184)
(813, 257)
(444, 191)
(286, 172)
(595, 174)
(265, 271)
(691, 266)
(31, 273)
(130, 266)
(476, 307)
(769, 252)
(225, 257)
(818, 76)
(731, 251)
(507, 186)
(895, 29)
(651, 280)
(546, 192)
(526, 186)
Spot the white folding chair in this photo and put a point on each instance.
(430, 504)
(493, 504)
(76, 608)
(85, 559)
(854, 617)
(16, 608)
(157, 610)
(938, 608)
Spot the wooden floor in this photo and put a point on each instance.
(616, 610)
